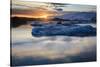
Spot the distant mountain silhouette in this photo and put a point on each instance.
(17, 21)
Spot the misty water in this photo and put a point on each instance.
(30, 50)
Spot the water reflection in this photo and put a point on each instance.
(27, 50)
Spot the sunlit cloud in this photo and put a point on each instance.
(45, 10)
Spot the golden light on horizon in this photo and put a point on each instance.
(43, 15)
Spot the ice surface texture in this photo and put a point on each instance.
(70, 30)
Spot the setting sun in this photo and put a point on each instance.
(43, 15)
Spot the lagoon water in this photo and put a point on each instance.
(29, 50)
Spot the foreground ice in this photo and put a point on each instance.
(70, 30)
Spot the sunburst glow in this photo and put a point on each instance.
(38, 14)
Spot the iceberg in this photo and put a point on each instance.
(78, 16)
(61, 30)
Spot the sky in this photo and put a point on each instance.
(44, 9)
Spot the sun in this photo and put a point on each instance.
(43, 16)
